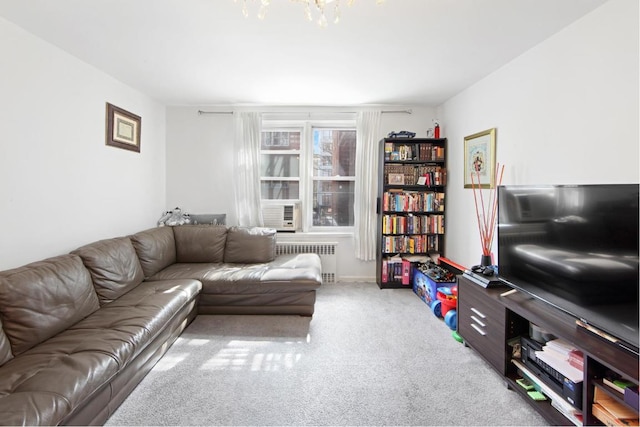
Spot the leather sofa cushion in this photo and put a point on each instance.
(37, 409)
(200, 243)
(286, 274)
(5, 345)
(44, 384)
(156, 249)
(250, 245)
(127, 325)
(114, 266)
(155, 304)
(41, 299)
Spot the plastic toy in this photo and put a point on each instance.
(401, 134)
(445, 306)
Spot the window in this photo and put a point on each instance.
(312, 165)
(280, 165)
(334, 173)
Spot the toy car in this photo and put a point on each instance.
(401, 134)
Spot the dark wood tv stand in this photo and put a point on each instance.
(490, 322)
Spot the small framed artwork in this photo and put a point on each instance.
(123, 129)
(396, 179)
(422, 180)
(480, 159)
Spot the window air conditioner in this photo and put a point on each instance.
(280, 217)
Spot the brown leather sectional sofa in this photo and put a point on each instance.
(80, 331)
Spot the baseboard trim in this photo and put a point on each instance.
(352, 279)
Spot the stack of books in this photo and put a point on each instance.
(559, 354)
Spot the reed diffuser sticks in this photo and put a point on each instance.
(486, 214)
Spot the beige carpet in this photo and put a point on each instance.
(367, 357)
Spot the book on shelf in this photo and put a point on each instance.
(631, 397)
(576, 359)
(602, 414)
(430, 152)
(565, 408)
(617, 384)
(571, 414)
(612, 412)
(388, 149)
(406, 272)
(392, 269)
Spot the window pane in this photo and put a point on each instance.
(280, 165)
(280, 140)
(333, 203)
(334, 152)
(279, 190)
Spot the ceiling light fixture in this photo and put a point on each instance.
(309, 6)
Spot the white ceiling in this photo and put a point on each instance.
(205, 52)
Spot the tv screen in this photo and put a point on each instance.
(575, 247)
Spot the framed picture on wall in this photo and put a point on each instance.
(480, 159)
(123, 128)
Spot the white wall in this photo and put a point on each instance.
(566, 112)
(200, 161)
(60, 186)
(200, 169)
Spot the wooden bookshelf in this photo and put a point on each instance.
(411, 204)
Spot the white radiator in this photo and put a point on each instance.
(326, 251)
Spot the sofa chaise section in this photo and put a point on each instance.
(237, 266)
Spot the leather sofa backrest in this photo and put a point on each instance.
(41, 299)
(156, 249)
(114, 267)
(200, 243)
(250, 245)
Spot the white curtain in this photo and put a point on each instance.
(247, 167)
(367, 158)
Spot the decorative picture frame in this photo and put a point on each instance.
(123, 129)
(396, 179)
(480, 159)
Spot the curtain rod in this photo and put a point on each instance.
(200, 112)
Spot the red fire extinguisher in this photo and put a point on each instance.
(436, 131)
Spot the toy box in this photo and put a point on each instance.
(426, 287)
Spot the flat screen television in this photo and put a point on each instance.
(575, 247)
